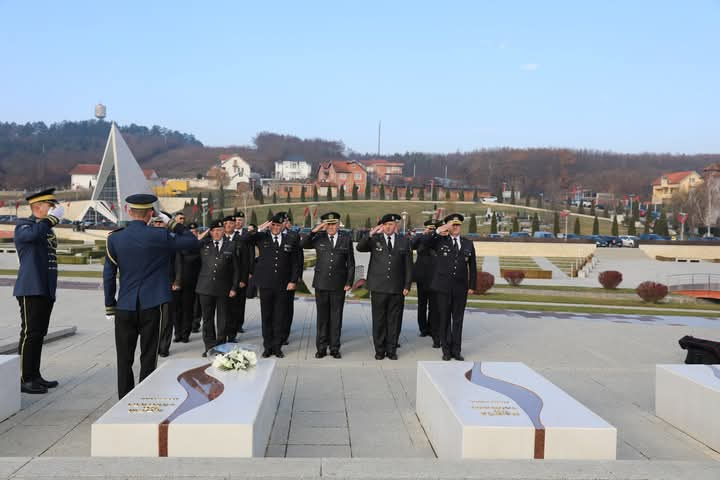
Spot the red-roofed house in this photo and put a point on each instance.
(383, 171)
(85, 175)
(672, 183)
(341, 172)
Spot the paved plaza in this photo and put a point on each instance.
(355, 417)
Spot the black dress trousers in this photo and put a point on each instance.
(129, 324)
(329, 304)
(34, 321)
(273, 311)
(423, 318)
(451, 312)
(210, 305)
(387, 311)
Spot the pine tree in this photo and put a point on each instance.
(592, 209)
(473, 224)
(576, 230)
(421, 195)
(355, 191)
(253, 218)
(515, 224)
(308, 221)
(500, 194)
(447, 194)
(274, 197)
(434, 193)
(661, 225)
(527, 200)
(408, 192)
(347, 221)
(614, 231)
(556, 224)
(512, 196)
(631, 230)
(368, 223)
(315, 196)
(287, 199)
(636, 209)
(341, 193)
(382, 191)
(328, 194)
(270, 214)
(461, 195)
(493, 223)
(596, 226)
(290, 215)
(394, 193)
(368, 191)
(302, 193)
(535, 223)
(475, 195)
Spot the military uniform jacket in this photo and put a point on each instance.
(36, 246)
(335, 266)
(424, 266)
(245, 251)
(220, 271)
(452, 266)
(300, 259)
(387, 272)
(187, 263)
(142, 255)
(275, 267)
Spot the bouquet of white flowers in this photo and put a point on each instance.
(236, 359)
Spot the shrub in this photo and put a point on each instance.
(610, 279)
(485, 282)
(651, 292)
(514, 277)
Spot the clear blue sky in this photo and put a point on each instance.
(442, 76)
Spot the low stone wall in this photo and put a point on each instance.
(529, 248)
(704, 251)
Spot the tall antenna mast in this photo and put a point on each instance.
(379, 131)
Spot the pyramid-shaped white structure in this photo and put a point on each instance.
(119, 176)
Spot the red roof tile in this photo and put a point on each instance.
(674, 177)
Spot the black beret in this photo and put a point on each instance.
(141, 200)
(455, 219)
(216, 224)
(229, 218)
(43, 196)
(240, 215)
(430, 223)
(389, 217)
(278, 218)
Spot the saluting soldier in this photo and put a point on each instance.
(142, 256)
(334, 275)
(276, 273)
(389, 278)
(287, 230)
(236, 304)
(423, 271)
(455, 278)
(188, 264)
(36, 284)
(246, 254)
(220, 274)
(171, 310)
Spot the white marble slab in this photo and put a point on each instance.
(465, 420)
(235, 424)
(688, 396)
(9, 385)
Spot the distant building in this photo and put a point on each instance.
(236, 169)
(292, 170)
(341, 172)
(85, 176)
(383, 171)
(670, 184)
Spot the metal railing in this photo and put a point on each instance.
(693, 281)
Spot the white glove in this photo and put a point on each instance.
(58, 211)
(164, 217)
(110, 318)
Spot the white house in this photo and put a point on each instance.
(85, 175)
(237, 169)
(292, 170)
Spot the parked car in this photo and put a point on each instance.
(519, 235)
(599, 241)
(630, 241)
(652, 236)
(494, 235)
(543, 235)
(613, 241)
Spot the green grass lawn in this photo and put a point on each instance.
(539, 307)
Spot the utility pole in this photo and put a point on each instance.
(379, 131)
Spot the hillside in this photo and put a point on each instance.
(36, 154)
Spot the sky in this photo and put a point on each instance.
(627, 76)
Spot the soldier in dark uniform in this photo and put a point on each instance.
(287, 230)
(334, 275)
(142, 256)
(36, 284)
(236, 304)
(187, 262)
(423, 271)
(171, 309)
(389, 278)
(455, 278)
(220, 275)
(246, 254)
(276, 273)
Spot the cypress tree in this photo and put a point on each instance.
(461, 195)
(434, 194)
(408, 192)
(287, 199)
(614, 229)
(347, 221)
(253, 218)
(308, 221)
(341, 193)
(382, 191)
(421, 195)
(515, 224)
(302, 193)
(631, 227)
(527, 200)
(596, 226)
(315, 194)
(368, 191)
(646, 228)
(290, 215)
(576, 230)
(355, 191)
(493, 223)
(274, 197)
(395, 193)
(475, 195)
(328, 193)
(581, 208)
(556, 223)
(592, 209)
(512, 196)
(500, 194)
(535, 223)
(447, 194)
(261, 196)
(473, 224)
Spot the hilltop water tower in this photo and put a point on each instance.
(100, 111)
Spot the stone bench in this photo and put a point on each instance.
(687, 397)
(505, 410)
(9, 386)
(188, 409)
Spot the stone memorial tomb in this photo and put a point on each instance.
(9, 385)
